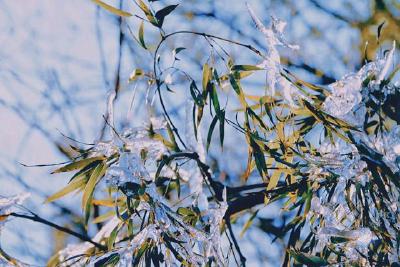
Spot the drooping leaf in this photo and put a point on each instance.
(141, 37)
(210, 131)
(222, 128)
(112, 9)
(215, 101)
(93, 179)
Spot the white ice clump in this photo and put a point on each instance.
(8, 204)
(67, 256)
(272, 62)
(346, 94)
(388, 145)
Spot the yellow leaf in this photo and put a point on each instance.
(273, 182)
(104, 217)
(89, 188)
(74, 185)
(112, 9)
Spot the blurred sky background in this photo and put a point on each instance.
(58, 60)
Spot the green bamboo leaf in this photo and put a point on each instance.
(194, 120)
(141, 36)
(245, 68)
(222, 128)
(308, 260)
(110, 260)
(78, 164)
(215, 101)
(210, 131)
(74, 185)
(259, 158)
(112, 238)
(161, 14)
(196, 95)
(112, 9)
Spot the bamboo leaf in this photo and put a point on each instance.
(112, 9)
(104, 217)
(210, 131)
(141, 36)
(248, 223)
(215, 101)
(245, 68)
(161, 14)
(259, 158)
(89, 188)
(74, 185)
(148, 13)
(78, 164)
(206, 77)
(222, 128)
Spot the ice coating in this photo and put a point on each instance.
(195, 145)
(272, 62)
(8, 204)
(346, 94)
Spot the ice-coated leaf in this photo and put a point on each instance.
(245, 68)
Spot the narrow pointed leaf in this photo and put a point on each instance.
(78, 164)
(74, 185)
(161, 14)
(112, 9)
(210, 131)
(141, 35)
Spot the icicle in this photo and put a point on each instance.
(272, 62)
(389, 61)
(110, 109)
